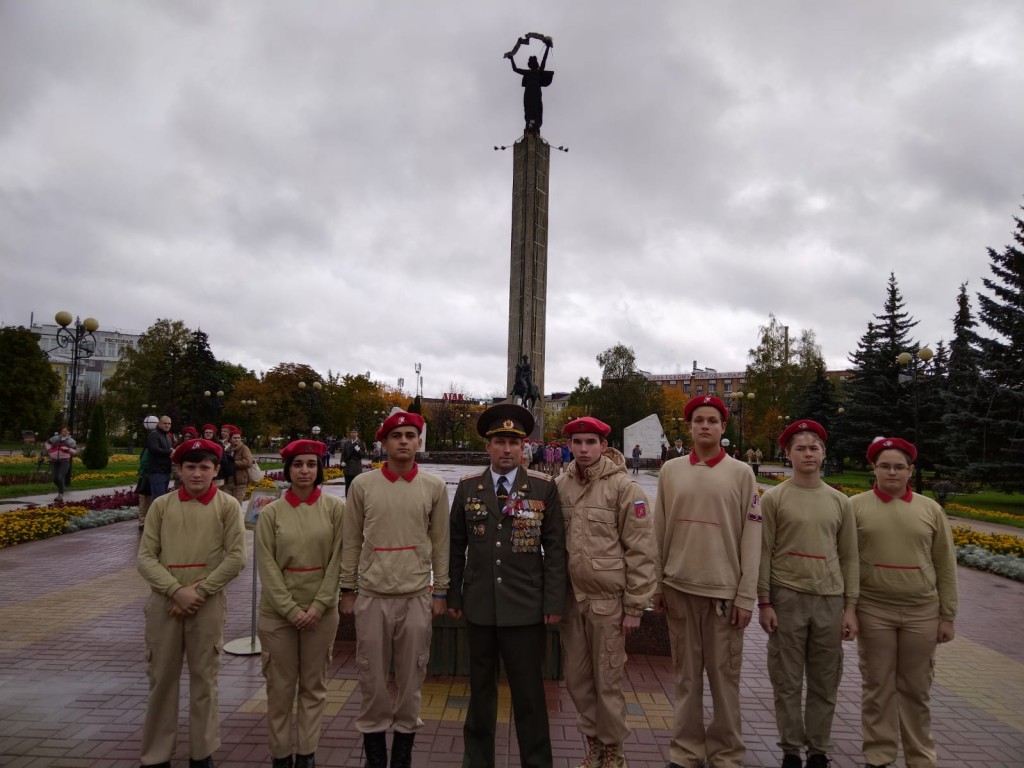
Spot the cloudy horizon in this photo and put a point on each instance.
(315, 182)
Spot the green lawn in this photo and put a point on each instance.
(990, 501)
(46, 486)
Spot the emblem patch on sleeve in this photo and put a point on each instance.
(754, 515)
(640, 509)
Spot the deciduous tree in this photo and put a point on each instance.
(28, 384)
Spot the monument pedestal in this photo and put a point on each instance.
(528, 282)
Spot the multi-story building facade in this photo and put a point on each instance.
(92, 371)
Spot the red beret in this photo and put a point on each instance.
(189, 432)
(586, 424)
(400, 419)
(209, 427)
(885, 443)
(710, 400)
(299, 447)
(232, 429)
(197, 444)
(804, 425)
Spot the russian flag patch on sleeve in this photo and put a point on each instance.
(640, 509)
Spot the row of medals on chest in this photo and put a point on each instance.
(527, 517)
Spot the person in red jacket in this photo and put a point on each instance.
(61, 449)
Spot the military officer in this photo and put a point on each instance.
(508, 578)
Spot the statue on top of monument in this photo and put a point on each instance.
(524, 391)
(534, 78)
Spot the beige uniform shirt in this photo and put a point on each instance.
(906, 552)
(808, 541)
(395, 535)
(707, 520)
(609, 534)
(186, 539)
(298, 550)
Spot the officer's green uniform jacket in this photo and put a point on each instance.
(507, 569)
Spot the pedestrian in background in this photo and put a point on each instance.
(352, 452)
(242, 457)
(159, 449)
(61, 448)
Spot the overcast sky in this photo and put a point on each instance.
(315, 182)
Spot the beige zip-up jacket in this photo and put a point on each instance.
(609, 533)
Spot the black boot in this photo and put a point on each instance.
(401, 750)
(306, 761)
(375, 745)
(282, 762)
(206, 762)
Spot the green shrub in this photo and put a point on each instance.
(96, 454)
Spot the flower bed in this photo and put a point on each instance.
(999, 543)
(21, 525)
(1000, 553)
(1010, 566)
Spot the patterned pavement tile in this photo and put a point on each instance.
(73, 686)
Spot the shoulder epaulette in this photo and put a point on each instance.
(540, 475)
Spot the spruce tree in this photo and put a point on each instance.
(820, 401)
(96, 454)
(877, 404)
(1002, 313)
(965, 398)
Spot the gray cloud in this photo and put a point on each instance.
(315, 182)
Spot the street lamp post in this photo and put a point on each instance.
(314, 390)
(739, 398)
(217, 398)
(250, 406)
(82, 343)
(915, 363)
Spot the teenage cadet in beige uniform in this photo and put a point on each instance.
(907, 605)
(298, 550)
(395, 535)
(708, 525)
(192, 546)
(807, 594)
(610, 538)
(508, 580)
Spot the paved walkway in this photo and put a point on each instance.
(73, 685)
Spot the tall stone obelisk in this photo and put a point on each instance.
(528, 283)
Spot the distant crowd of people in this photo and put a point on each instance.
(518, 552)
